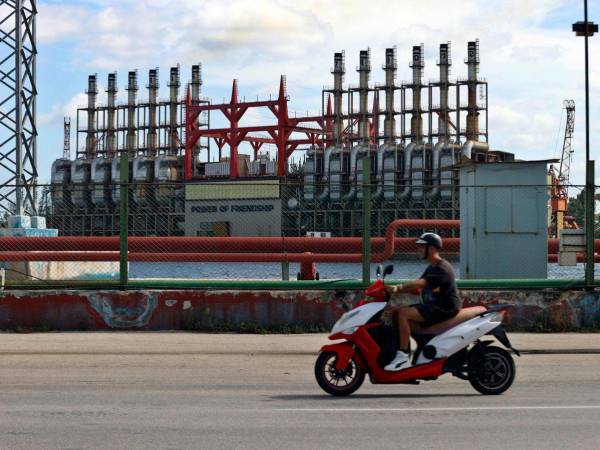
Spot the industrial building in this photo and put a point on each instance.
(427, 128)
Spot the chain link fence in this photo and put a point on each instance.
(269, 229)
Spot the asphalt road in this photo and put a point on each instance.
(188, 391)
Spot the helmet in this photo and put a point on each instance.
(430, 239)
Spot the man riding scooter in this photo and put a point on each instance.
(440, 299)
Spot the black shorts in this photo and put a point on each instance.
(433, 314)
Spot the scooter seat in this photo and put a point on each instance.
(463, 315)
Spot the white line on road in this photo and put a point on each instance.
(442, 409)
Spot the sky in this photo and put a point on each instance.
(529, 56)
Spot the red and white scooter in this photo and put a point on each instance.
(453, 346)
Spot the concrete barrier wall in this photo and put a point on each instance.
(547, 310)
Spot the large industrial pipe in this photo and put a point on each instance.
(436, 172)
(407, 168)
(90, 140)
(472, 111)
(212, 244)
(353, 157)
(378, 256)
(444, 64)
(173, 104)
(364, 70)
(131, 139)
(153, 86)
(207, 249)
(196, 86)
(338, 71)
(389, 123)
(325, 180)
(467, 149)
(416, 121)
(111, 138)
(380, 156)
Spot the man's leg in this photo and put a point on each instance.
(406, 316)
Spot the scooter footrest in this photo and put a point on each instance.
(411, 382)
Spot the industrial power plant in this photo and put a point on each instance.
(413, 132)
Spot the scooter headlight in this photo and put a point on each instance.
(497, 317)
(350, 330)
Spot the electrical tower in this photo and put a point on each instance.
(18, 158)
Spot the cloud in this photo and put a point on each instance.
(531, 62)
(58, 22)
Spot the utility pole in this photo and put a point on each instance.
(587, 29)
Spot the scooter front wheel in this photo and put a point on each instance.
(338, 382)
(491, 370)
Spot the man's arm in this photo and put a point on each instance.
(411, 287)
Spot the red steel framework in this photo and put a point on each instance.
(280, 133)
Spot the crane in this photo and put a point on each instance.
(559, 192)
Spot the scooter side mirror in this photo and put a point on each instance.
(378, 271)
(389, 269)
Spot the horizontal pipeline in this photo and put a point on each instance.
(209, 257)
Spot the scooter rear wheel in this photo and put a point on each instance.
(491, 370)
(336, 382)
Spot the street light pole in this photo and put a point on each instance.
(587, 29)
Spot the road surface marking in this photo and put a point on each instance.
(466, 408)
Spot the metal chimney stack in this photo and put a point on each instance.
(132, 88)
(390, 67)
(444, 64)
(472, 62)
(338, 71)
(173, 97)
(90, 140)
(416, 121)
(67, 138)
(364, 71)
(111, 137)
(152, 117)
(196, 86)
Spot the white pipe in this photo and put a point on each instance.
(435, 175)
(353, 156)
(407, 163)
(326, 157)
(379, 177)
(468, 147)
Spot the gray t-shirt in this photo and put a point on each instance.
(441, 287)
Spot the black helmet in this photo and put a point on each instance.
(430, 239)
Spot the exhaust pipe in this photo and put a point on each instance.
(379, 177)
(353, 157)
(326, 157)
(467, 149)
(407, 163)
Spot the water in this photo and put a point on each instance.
(272, 271)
